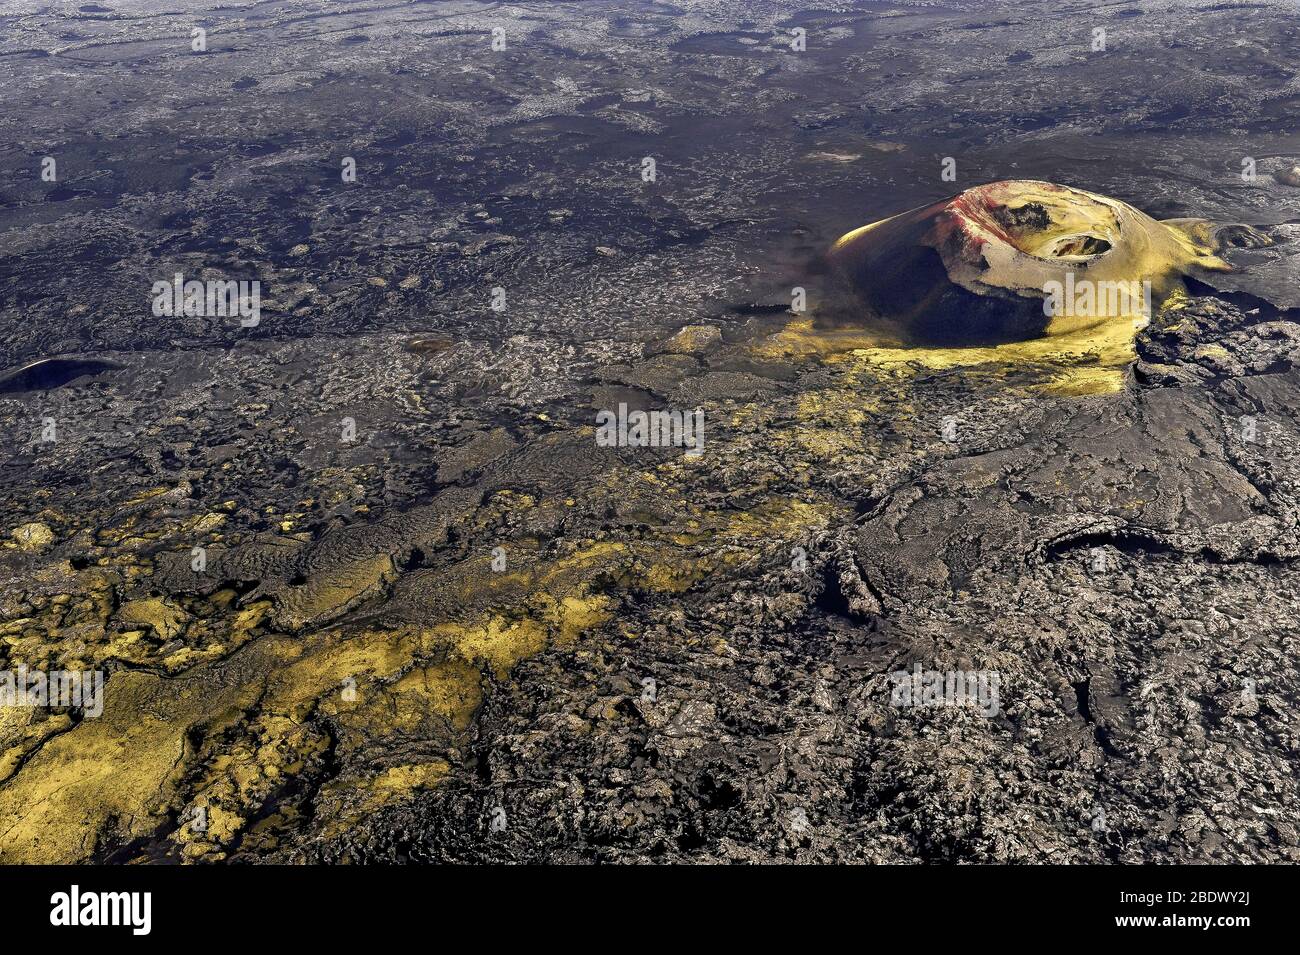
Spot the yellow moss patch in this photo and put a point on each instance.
(780, 518)
(403, 779)
(120, 767)
(500, 642)
(163, 617)
(34, 536)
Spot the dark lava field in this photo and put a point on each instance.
(363, 582)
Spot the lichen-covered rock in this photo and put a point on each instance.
(32, 536)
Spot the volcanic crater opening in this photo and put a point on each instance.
(980, 268)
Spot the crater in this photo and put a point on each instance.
(988, 266)
(50, 373)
